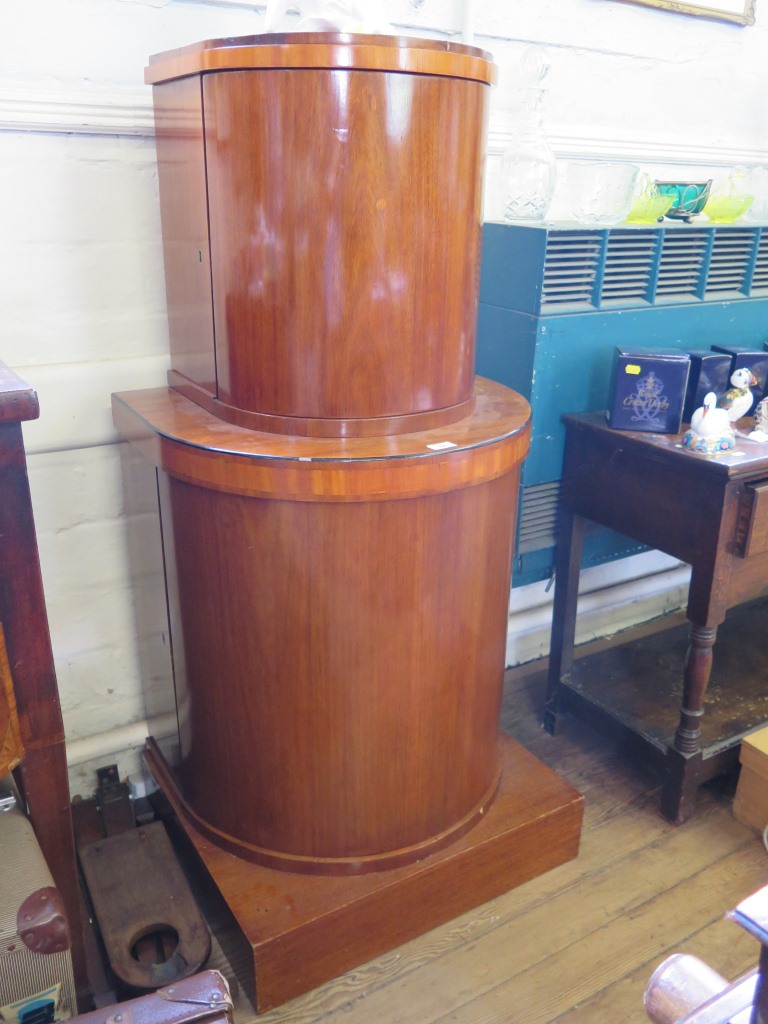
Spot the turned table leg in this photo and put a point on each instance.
(567, 571)
(684, 759)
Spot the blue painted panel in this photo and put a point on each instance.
(512, 268)
(599, 547)
(506, 347)
(572, 366)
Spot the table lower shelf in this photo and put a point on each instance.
(634, 689)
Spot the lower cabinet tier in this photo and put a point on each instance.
(337, 618)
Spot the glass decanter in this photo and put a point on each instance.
(528, 167)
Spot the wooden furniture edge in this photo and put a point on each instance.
(312, 51)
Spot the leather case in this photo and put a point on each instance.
(202, 998)
(36, 979)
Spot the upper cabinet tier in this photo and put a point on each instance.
(321, 199)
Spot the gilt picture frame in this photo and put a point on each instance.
(737, 12)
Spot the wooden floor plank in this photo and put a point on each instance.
(570, 917)
(578, 944)
(728, 950)
(605, 956)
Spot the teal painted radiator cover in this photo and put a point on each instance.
(556, 300)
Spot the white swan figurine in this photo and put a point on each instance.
(711, 429)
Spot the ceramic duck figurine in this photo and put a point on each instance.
(760, 433)
(709, 421)
(711, 429)
(738, 399)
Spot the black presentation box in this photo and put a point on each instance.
(649, 390)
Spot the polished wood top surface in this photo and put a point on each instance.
(187, 442)
(323, 50)
(499, 413)
(18, 401)
(746, 458)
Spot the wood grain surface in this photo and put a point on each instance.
(191, 444)
(323, 50)
(337, 647)
(337, 247)
(290, 932)
(184, 216)
(349, 656)
(18, 401)
(11, 745)
(42, 773)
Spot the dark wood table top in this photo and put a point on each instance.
(746, 458)
(18, 401)
(692, 506)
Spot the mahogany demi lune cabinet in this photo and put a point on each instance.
(338, 615)
(40, 759)
(331, 494)
(321, 202)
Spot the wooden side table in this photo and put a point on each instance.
(711, 512)
(42, 772)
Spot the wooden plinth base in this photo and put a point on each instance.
(288, 933)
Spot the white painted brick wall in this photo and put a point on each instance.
(81, 286)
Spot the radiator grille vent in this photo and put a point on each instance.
(539, 507)
(730, 262)
(629, 263)
(681, 265)
(571, 267)
(760, 275)
(628, 267)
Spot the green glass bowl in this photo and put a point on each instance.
(727, 209)
(647, 209)
(688, 198)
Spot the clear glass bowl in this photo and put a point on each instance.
(599, 191)
(754, 181)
